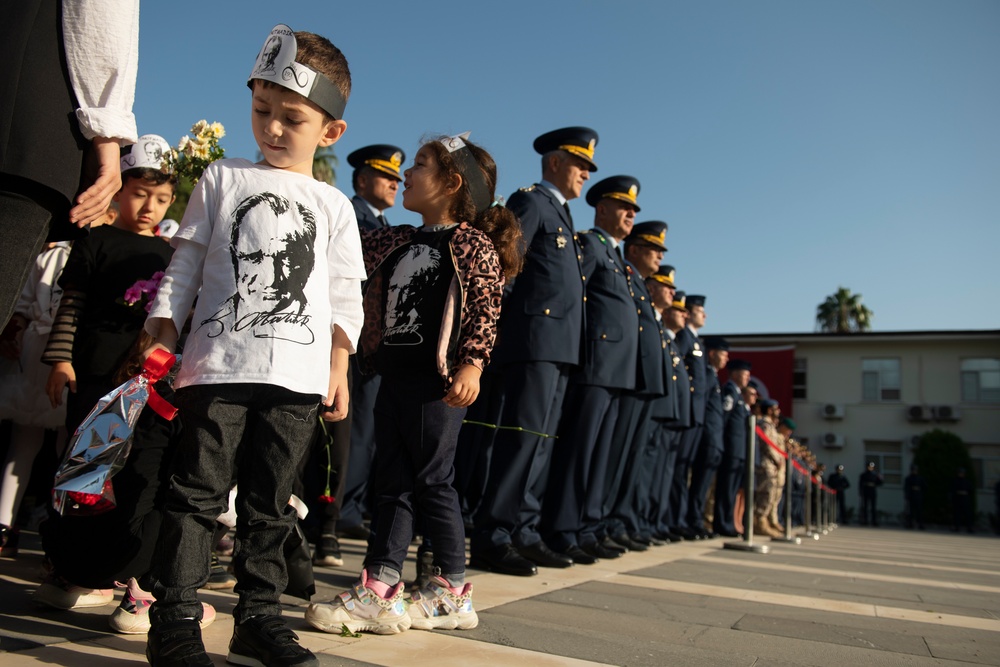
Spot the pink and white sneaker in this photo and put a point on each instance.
(132, 615)
(436, 607)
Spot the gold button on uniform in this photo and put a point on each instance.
(640, 327)
(603, 336)
(547, 311)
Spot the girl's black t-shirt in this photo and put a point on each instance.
(103, 265)
(416, 277)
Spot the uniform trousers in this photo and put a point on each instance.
(628, 455)
(510, 510)
(574, 502)
(680, 488)
(703, 474)
(662, 511)
(729, 479)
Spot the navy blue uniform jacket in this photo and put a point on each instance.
(651, 373)
(714, 414)
(366, 221)
(694, 358)
(611, 337)
(543, 309)
(735, 425)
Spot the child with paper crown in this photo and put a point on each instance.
(274, 257)
(431, 308)
(91, 336)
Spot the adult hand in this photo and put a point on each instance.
(337, 397)
(94, 201)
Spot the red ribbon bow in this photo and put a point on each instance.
(157, 365)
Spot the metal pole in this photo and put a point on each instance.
(787, 538)
(747, 543)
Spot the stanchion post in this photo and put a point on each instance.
(807, 510)
(820, 527)
(746, 544)
(788, 538)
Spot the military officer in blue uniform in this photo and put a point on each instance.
(729, 476)
(709, 453)
(538, 345)
(644, 249)
(376, 180)
(675, 417)
(573, 509)
(652, 457)
(692, 347)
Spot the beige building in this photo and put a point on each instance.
(868, 397)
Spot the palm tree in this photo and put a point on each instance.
(843, 312)
(324, 165)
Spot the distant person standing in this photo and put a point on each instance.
(68, 89)
(868, 485)
(913, 491)
(840, 484)
(961, 502)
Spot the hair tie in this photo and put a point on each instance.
(498, 202)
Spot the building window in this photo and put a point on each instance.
(981, 380)
(888, 458)
(799, 378)
(880, 379)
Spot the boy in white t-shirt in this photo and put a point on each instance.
(276, 257)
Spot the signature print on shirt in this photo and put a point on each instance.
(271, 247)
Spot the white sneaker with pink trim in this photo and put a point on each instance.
(436, 607)
(132, 615)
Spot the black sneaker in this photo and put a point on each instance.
(176, 644)
(265, 641)
(327, 551)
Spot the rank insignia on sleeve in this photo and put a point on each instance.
(561, 242)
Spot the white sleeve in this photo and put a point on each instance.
(102, 55)
(178, 287)
(347, 270)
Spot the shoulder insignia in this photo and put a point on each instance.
(728, 402)
(530, 188)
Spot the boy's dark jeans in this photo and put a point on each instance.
(253, 435)
(415, 439)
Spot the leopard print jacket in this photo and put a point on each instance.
(472, 307)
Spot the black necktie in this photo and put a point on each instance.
(569, 216)
(382, 221)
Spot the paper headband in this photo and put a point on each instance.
(469, 168)
(149, 152)
(276, 63)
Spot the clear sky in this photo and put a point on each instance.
(792, 146)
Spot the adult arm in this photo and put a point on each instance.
(102, 56)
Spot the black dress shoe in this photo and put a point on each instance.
(611, 545)
(540, 554)
(669, 537)
(686, 533)
(600, 551)
(580, 556)
(728, 533)
(656, 542)
(503, 559)
(640, 538)
(626, 542)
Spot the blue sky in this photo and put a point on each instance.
(792, 146)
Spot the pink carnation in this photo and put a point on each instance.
(133, 294)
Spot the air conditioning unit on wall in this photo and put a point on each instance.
(919, 413)
(832, 440)
(833, 411)
(946, 413)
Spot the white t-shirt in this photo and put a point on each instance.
(277, 258)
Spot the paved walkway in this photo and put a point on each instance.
(854, 597)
